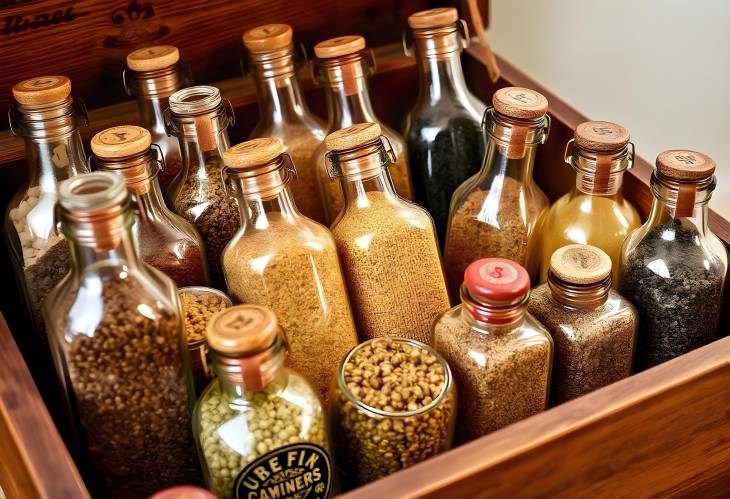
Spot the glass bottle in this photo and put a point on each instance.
(152, 75)
(595, 211)
(592, 326)
(282, 259)
(117, 334)
(200, 118)
(259, 426)
(387, 245)
(283, 112)
(673, 268)
(501, 356)
(342, 67)
(499, 211)
(163, 239)
(444, 139)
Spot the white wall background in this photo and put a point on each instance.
(659, 67)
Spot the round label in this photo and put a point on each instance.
(687, 159)
(522, 97)
(498, 273)
(122, 135)
(42, 83)
(301, 471)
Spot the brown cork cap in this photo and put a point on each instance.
(433, 18)
(253, 152)
(242, 329)
(682, 164)
(601, 136)
(153, 58)
(337, 47)
(580, 264)
(42, 90)
(268, 37)
(520, 103)
(183, 492)
(352, 136)
(121, 141)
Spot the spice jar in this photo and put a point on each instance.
(500, 211)
(283, 112)
(342, 67)
(259, 426)
(673, 267)
(200, 118)
(501, 356)
(445, 143)
(286, 261)
(387, 245)
(152, 75)
(163, 239)
(394, 405)
(595, 211)
(592, 326)
(117, 332)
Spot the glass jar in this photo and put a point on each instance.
(117, 335)
(592, 326)
(163, 239)
(595, 211)
(499, 211)
(342, 67)
(259, 426)
(393, 406)
(284, 260)
(501, 356)
(445, 143)
(152, 75)
(200, 118)
(673, 267)
(283, 112)
(387, 245)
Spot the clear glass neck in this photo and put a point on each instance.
(599, 173)
(492, 317)
(151, 113)
(203, 138)
(151, 204)
(579, 296)
(686, 202)
(345, 83)
(439, 68)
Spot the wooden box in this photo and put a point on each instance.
(665, 431)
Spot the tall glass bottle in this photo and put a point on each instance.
(200, 118)
(595, 211)
(153, 74)
(445, 142)
(673, 268)
(342, 67)
(499, 211)
(117, 333)
(282, 259)
(283, 112)
(163, 239)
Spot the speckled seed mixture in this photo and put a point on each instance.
(199, 308)
(272, 419)
(301, 144)
(392, 376)
(391, 262)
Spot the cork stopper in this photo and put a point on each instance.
(433, 18)
(42, 90)
(268, 37)
(183, 492)
(496, 279)
(580, 264)
(253, 152)
(337, 47)
(520, 103)
(242, 330)
(121, 141)
(352, 136)
(685, 165)
(153, 58)
(601, 136)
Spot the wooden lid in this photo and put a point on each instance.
(267, 37)
(682, 164)
(352, 136)
(153, 58)
(520, 103)
(337, 47)
(42, 90)
(253, 152)
(601, 136)
(580, 264)
(121, 141)
(433, 18)
(242, 329)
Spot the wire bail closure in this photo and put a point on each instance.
(332, 162)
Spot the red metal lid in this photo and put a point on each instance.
(183, 492)
(496, 279)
